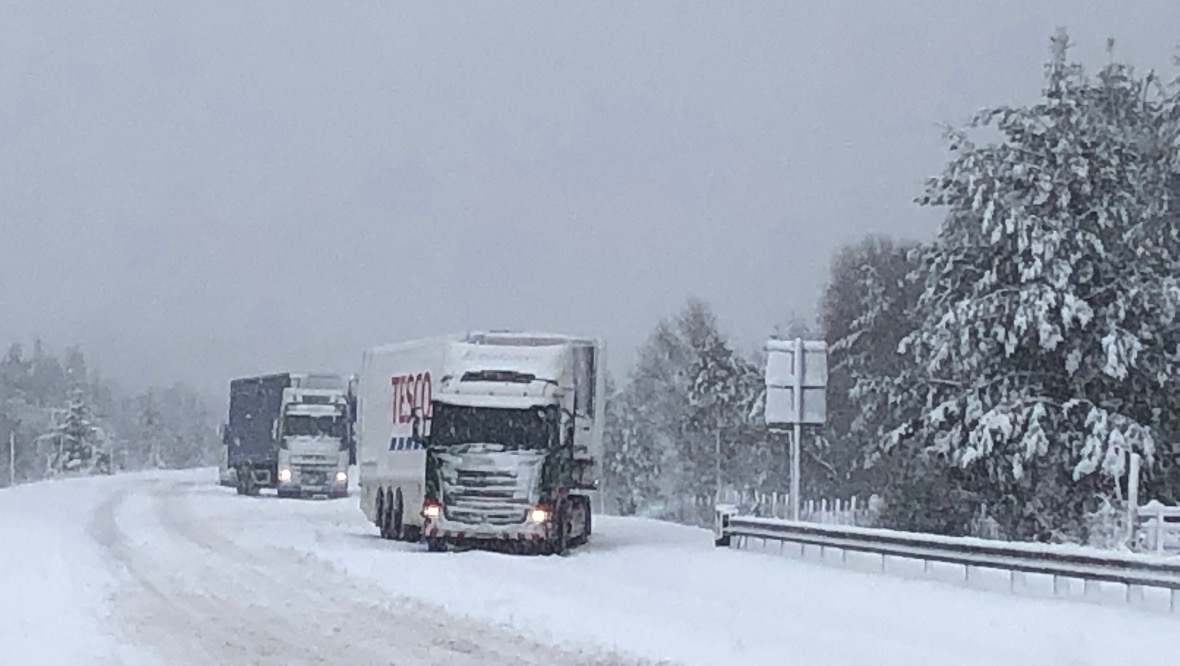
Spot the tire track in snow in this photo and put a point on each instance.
(196, 596)
(148, 613)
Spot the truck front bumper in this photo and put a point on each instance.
(314, 482)
(456, 532)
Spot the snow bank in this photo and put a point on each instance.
(54, 580)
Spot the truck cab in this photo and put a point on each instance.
(315, 437)
(513, 444)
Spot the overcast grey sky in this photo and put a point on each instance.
(207, 189)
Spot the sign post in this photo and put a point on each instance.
(1133, 498)
(796, 395)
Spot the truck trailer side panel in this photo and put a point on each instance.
(393, 401)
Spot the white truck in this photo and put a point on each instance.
(290, 431)
(482, 440)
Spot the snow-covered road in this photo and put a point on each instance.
(168, 568)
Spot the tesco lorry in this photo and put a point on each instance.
(482, 440)
(292, 432)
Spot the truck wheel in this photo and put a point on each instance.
(385, 522)
(436, 545)
(561, 539)
(252, 487)
(583, 506)
(398, 519)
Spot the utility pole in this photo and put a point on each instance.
(717, 461)
(796, 446)
(12, 457)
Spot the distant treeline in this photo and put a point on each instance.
(65, 419)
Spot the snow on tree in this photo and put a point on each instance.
(866, 309)
(77, 441)
(1047, 347)
(688, 386)
(723, 392)
(150, 433)
(632, 463)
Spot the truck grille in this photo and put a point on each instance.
(490, 497)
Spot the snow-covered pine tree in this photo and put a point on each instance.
(76, 439)
(1047, 346)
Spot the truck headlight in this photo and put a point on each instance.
(341, 477)
(431, 509)
(284, 475)
(539, 515)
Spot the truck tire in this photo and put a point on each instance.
(384, 511)
(436, 545)
(583, 506)
(561, 540)
(398, 516)
(252, 487)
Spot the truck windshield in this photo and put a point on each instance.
(533, 428)
(302, 425)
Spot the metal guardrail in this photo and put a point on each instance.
(1133, 572)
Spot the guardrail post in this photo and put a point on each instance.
(1172, 601)
(1134, 593)
(1159, 527)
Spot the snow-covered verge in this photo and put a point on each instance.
(54, 588)
(663, 592)
(170, 568)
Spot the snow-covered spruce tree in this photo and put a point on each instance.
(76, 440)
(1048, 341)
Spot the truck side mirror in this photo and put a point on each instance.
(416, 424)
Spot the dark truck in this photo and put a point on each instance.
(251, 437)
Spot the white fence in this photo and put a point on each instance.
(836, 511)
(1158, 528)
